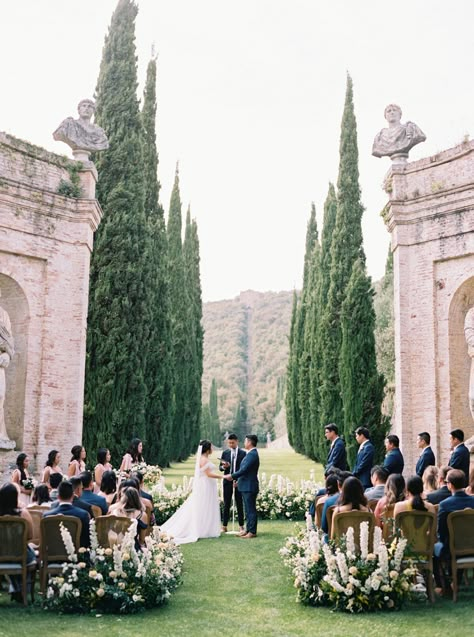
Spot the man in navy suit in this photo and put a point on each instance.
(427, 457)
(460, 455)
(365, 457)
(231, 460)
(65, 507)
(393, 462)
(247, 483)
(442, 492)
(88, 494)
(337, 457)
(458, 501)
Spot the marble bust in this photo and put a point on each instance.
(80, 134)
(469, 335)
(398, 139)
(7, 351)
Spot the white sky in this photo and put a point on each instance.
(250, 102)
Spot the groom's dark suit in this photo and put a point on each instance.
(228, 486)
(247, 482)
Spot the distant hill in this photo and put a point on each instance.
(246, 351)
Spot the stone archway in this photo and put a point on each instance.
(13, 300)
(459, 361)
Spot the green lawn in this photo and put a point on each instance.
(241, 588)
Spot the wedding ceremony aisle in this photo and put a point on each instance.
(241, 588)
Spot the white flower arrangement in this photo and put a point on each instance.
(118, 580)
(336, 574)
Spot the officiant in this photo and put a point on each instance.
(230, 463)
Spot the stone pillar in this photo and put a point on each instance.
(430, 215)
(46, 241)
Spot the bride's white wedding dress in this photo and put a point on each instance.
(199, 516)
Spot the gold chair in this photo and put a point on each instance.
(329, 515)
(14, 552)
(111, 529)
(341, 521)
(461, 543)
(52, 550)
(388, 524)
(319, 513)
(36, 514)
(372, 504)
(96, 511)
(419, 529)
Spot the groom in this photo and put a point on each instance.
(247, 483)
(231, 461)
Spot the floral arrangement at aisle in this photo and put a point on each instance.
(335, 574)
(152, 473)
(167, 501)
(115, 580)
(279, 498)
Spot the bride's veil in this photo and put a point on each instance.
(197, 467)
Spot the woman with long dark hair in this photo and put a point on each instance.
(414, 501)
(41, 496)
(394, 492)
(21, 477)
(103, 464)
(77, 463)
(352, 497)
(51, 466)
(133, 455)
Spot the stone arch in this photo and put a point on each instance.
(13, 299)
(459, 361)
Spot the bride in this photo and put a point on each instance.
(199, 516)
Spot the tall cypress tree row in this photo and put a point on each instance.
(214, 414)
(195, 335)
(179, 313)
(308, 314)
(361, 384)
(159, 368)
(346, 248)
(321, 292)
(115, 389)
(291, 401)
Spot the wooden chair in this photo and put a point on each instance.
(36, 514)
(52, 550)
(388, 528)
(14, 552)
(319, 513)
(96, 511)
(419, 528)
(341, 521)
(372, 504)
(461, 543)
(329, 514)
(111, 529)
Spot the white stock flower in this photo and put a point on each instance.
(350, 544)
(364, 540)
(68, 543)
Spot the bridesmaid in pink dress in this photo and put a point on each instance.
(19, 475)
(77, 464)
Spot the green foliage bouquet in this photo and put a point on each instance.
(279, 498)
(115, 580)
(336, 574)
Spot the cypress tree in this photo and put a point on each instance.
(291, 401)
(195, 332)
(346, 248)
(321, 292)
(159, 370)
(179, 313)
(115, 388)
(215, 430)
(362, 386)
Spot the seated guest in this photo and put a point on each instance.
(378, 476)
(77, 500)
(108, 487)
(88, 494)
(103, 464)
(55, 480)
(414, 501)
(352, 497)
(333, 499)
(9, 506)
(51, 466)
(365, 457)
(146, 498)
(394, 492)
(131, 506)
(460, 453)
(427, 457)
(470, 486)
(442, 492)
(430, 480)
(65, 507)
(393, 462)
(331, 487)
(41, 497)
(457, 501)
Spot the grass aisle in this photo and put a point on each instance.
(240, 588)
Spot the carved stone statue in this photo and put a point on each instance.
(469, 334)
(7, 351)
(398, 139)
(80, 134)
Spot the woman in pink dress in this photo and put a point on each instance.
(77, 464)
(133, 455)
(20, 476)
(103, 464)
(52, 466)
